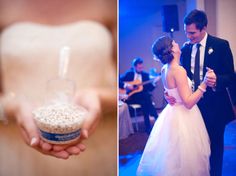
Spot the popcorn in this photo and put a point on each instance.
(60, 123)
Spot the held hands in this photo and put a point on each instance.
(210, 78)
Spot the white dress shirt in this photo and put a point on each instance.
(138, 76)
(202, 52)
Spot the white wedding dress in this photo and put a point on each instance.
(178, 144)
(27, 45)
(29, 57)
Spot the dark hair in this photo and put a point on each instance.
(198, 17)
(137, 61)
(162, 48)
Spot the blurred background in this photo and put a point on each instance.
(141, 22)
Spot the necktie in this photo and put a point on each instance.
(196, 74)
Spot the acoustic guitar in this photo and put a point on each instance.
(138, 86)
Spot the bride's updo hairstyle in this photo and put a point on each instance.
(161, 49)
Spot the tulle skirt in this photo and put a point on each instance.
(178, 145)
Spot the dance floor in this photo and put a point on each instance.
(130, 151)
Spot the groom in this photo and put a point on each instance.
(214, 53)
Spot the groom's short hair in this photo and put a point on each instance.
(197, 17)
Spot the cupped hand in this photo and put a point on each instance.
(32, 138)
(88, 99)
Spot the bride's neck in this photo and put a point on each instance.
(174, 63)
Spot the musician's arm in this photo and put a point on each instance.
(124, 78)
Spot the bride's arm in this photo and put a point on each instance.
(188, 97)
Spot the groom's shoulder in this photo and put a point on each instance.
(215, 39)
(186, 45)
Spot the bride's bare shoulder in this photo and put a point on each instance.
(179, 71)
(177, 68)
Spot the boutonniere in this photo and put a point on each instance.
(210, 50)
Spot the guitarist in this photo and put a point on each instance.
(143, 97)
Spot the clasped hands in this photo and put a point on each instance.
(210, 78)
(88, 99)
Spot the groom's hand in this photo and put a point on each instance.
(171, 100)
(210, 77)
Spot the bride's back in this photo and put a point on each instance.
(168, 73)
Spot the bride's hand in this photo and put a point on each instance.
(88, 99)
(31, 137)
(22, 111)
(210, 77)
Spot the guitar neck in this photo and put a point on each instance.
(148, 81)
(145, 82)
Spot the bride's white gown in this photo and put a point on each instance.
(29, 57)
(178, 144)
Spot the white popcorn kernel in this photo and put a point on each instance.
(60, 123)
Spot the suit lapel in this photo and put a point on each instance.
(188, 61)
(206, 54)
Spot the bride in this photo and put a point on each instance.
(178, 144)
(32, 33)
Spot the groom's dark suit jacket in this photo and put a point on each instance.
(215, 105)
